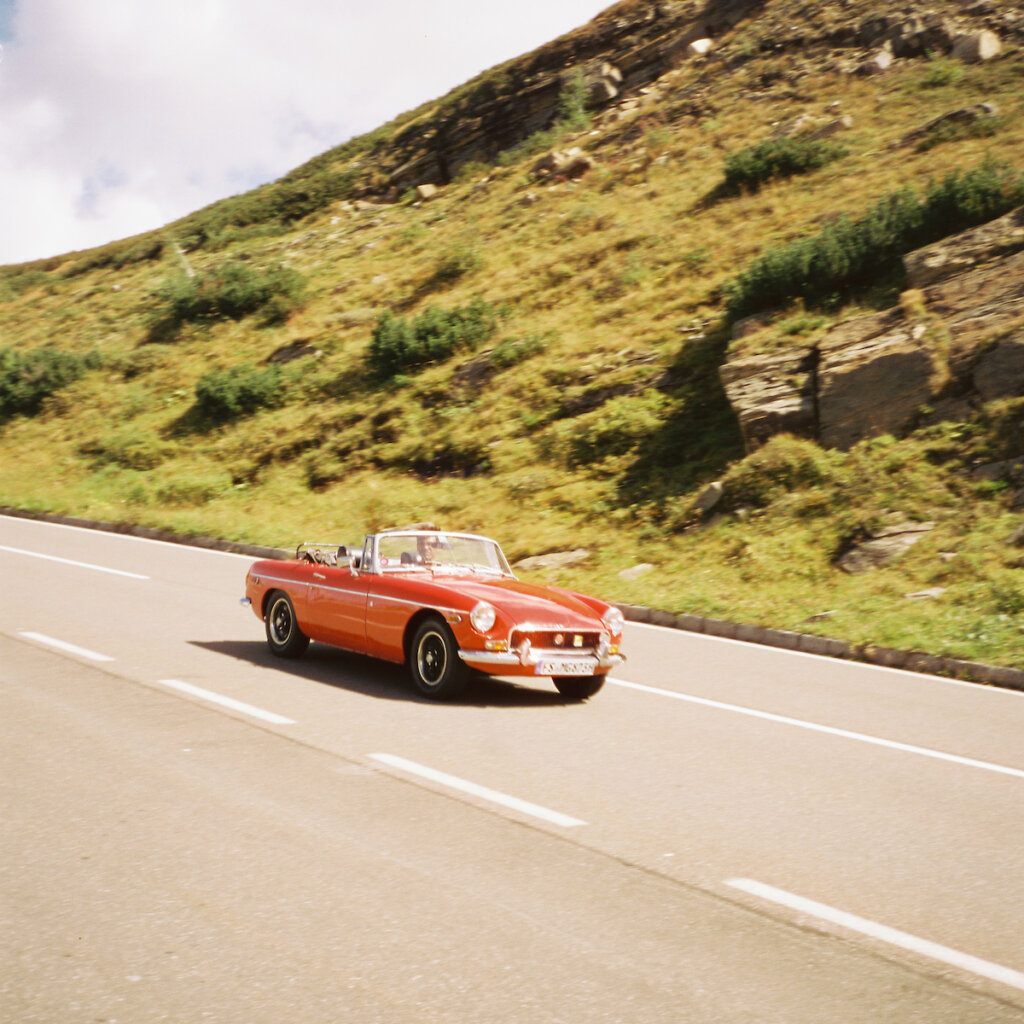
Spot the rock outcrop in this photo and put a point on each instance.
(958, 344)
(624, 52)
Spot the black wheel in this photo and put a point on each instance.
(437, 670)
(284, 637)
(578, 687)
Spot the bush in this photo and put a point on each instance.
(510, 351)
(13, 285)
(857, 253)
(226, 394)
(783, 465)
(398, 344)
(28, 378)
(750, 168)
(572, 103)
(617, 428)
(230, 291)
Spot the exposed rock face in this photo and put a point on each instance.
(876, 374)
(872, 378)
(627, 48)
(966, 251)
(773, 394)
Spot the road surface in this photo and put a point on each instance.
(195, 831)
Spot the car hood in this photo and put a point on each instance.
(526, 602)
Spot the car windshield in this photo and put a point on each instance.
(434, 551)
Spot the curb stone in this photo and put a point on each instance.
(149, 533)
(807, 643)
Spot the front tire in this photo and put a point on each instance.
(434, 663)
(578, 687)
(284, 638)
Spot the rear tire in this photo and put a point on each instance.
(284, 638)
(434, 663)
(578, 687)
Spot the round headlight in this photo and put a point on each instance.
(482, 617)
(614, 620)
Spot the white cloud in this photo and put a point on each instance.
(117, 116)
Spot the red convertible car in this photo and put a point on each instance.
(443, 603)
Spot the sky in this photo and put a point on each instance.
(119, 116)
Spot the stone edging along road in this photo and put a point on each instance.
(806, 643)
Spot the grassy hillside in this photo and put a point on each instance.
(536, 360)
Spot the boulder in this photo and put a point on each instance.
(876, 63)
(572, 163)
(709, 497)
(917, 36)
(636, 571)
(883, 547)
(603, 84)
(834, 127)
(977, 47)
(553, 560)
(699, 48)
(426, 191)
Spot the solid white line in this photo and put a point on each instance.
(62, 645)
(874, 930)
(69, 561)
(227, 702)
(860, 737)
(127, 536)
(472, 788)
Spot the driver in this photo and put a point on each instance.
(426, 547)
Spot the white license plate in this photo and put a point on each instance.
(566, 667)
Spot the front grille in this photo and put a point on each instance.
(558, 639)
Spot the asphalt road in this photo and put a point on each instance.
(194, 831)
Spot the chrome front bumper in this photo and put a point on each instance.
(531, 657)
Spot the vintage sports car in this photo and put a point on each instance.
(443, 603)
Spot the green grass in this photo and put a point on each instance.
(579, 406)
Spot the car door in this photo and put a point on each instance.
(337, 604)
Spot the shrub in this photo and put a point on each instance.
(13, 285)
(748, 169)
(783, 465)
(619, 427)
(127, 449)
(942, 71)
(226, 394)
(852, 253)
(572, 103)
(510, 351)
(28, 378)
(398, 344)
(230, 291)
